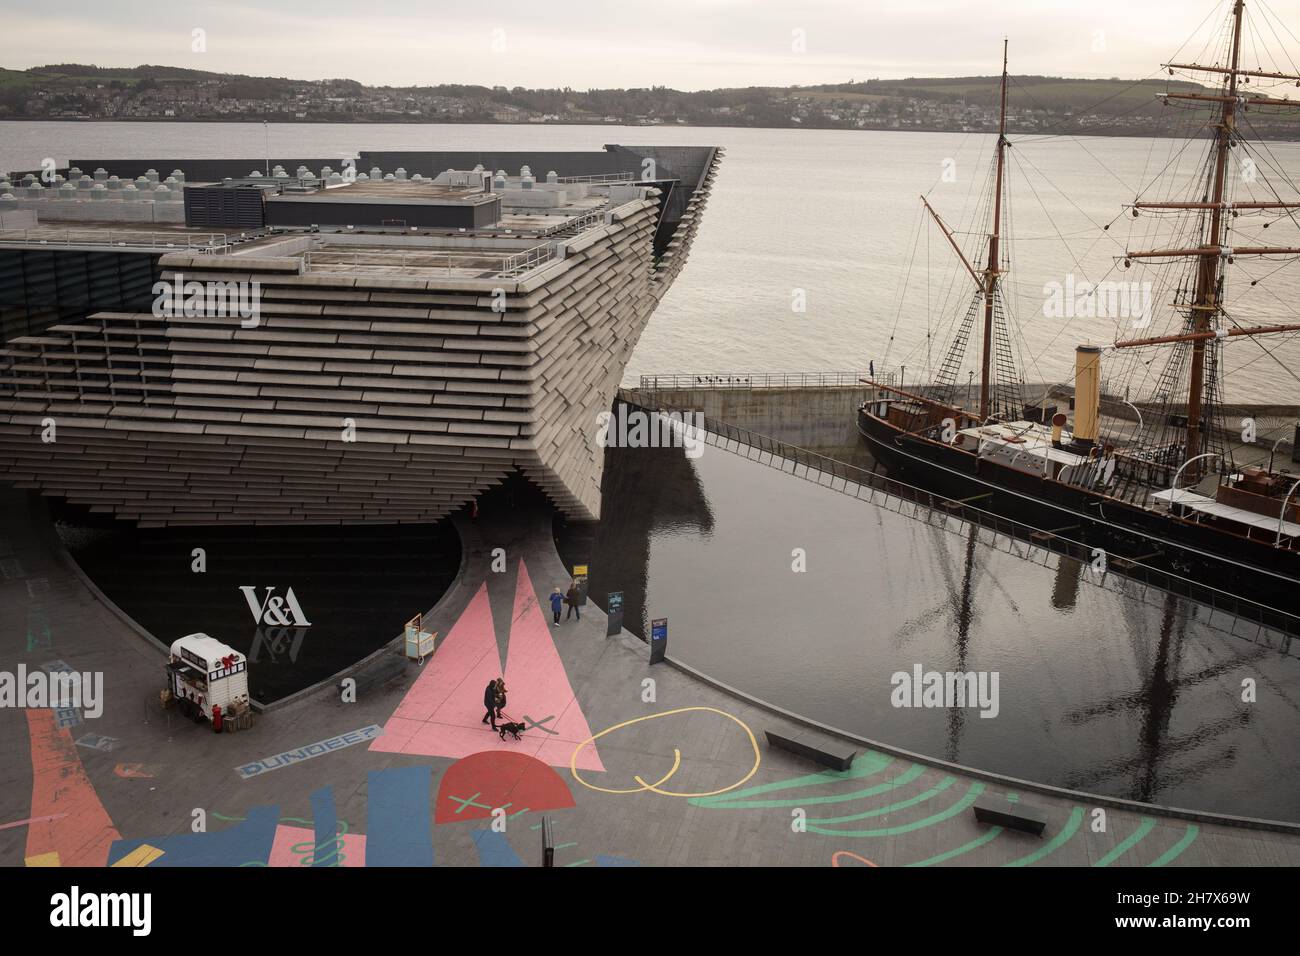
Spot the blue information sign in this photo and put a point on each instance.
(658, 639)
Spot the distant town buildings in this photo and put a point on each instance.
(922, 105)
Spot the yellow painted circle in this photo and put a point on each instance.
(657, 786)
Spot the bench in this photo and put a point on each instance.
(1012, 816)
(828, 755)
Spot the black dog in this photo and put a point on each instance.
(512, 729)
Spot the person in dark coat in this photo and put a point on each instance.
(557, 602)
(490, 702)
(571, 599)
(500, 697)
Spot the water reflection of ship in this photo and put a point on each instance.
(1150, 768)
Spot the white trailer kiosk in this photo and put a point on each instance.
(204, 673)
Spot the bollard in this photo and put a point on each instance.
(548, 843)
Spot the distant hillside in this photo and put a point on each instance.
(1041, 103)
(1113, 96)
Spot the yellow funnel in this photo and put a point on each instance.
(1087, 392)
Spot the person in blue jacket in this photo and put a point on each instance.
(557, 602)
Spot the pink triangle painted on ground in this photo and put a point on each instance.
(442, 714)
(449, 691)
(539, 686)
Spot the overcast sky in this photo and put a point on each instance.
(686, 44)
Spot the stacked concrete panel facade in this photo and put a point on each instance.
(356, 398)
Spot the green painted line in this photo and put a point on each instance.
(938, 788)
(1137, 836)
(865, 765)
(1177, 849)
(1054, 844)
(972, 794)
(564, 846)
(972, 845)
(906, 777)
(578, 863)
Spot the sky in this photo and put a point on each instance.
(684, 44)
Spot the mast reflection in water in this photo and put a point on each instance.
(1098, 691)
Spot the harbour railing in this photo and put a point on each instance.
(754, 380)
(1131, 577)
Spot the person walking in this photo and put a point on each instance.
(500, 697)
(557, 601)
(571, 599)
(490, 702)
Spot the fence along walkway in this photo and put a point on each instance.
(1237, 616)
(750, 380)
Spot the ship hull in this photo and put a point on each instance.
(1214, 559)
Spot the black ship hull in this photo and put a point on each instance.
(1248, 569)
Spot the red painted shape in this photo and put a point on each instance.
(835, 859)
(499, 777)
(134, 770)
(77, 826)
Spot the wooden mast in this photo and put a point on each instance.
(991, 273)
(1206, 304)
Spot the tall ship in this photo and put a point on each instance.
(306, 340)
(1154, 480)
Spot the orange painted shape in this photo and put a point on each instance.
(82, 832)
(141, 771)
(835, 859)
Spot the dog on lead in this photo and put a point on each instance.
(513, 729)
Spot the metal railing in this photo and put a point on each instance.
(599, 178)
(751, 380)
(118, 238)
(1128, 576)
(529, 259)
(440, 262)
(577, 224)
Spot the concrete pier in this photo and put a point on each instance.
(671, 772)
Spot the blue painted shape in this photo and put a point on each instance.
(245, 843)
(494, 849)
(326, 821)
(398, 829)
(602, 860)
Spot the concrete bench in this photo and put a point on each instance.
(820, 750)
(1013, 816)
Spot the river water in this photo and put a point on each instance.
(827, 220)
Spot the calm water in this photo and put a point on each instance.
(833, 214)
(1097, 691)
(356, 587)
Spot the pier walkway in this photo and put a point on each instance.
(636, 764)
